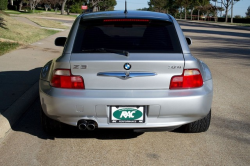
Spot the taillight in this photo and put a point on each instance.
(62, 78)
(191, 78)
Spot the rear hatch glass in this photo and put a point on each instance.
(132, 35)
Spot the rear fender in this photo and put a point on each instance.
(206, 73)
(194, 63)
(61, 62)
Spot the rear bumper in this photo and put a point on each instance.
(164, 108)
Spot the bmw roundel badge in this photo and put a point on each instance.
(127, 66)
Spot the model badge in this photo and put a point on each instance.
(127, 66)
(174, 67)
(80, 67)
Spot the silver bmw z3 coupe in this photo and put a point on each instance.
(131, 70)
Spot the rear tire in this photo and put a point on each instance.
(49, 125)
(198, 126)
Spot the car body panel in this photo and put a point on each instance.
(163, 66)
(164, 107)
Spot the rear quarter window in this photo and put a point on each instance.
(135, 37)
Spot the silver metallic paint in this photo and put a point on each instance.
(164, 107)
(175, 107)
(141, 62)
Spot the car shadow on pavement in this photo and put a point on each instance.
(226, 51)
(31, 123)
(232, 129)
(17, 91)
(236, 49)
(218, 44)
(13, 84)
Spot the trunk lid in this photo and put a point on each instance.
(106, 70)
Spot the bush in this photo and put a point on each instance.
(3, 4)
(76, 8)
(236, 20)
(14, 7)
(25, 8)
(237, 16)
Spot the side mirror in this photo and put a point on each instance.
(189, 41)
(60, 41)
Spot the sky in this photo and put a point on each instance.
(240, 7)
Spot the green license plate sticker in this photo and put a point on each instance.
(127, 115)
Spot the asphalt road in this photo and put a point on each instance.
(227, 142)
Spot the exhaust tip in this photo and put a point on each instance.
(82, 125)
(91, 126)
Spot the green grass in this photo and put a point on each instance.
(72, 15)
(47, 23)
(7, 46)
(39, 12)
(240, 24)
(12, 12)
(21, 32)
(14, 33)
(23, 12)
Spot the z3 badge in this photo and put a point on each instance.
(80, 67)
(174, 67)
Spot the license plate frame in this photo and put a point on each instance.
(141, 119)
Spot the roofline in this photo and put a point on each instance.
(131, 14)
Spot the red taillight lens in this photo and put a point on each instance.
(191, 78)
(62, 78)
(126, 20)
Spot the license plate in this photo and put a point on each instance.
(127, 114)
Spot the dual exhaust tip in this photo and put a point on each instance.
(86, 124)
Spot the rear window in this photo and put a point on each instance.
(132, 35)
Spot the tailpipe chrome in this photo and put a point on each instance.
(82, 125)
(91, 125)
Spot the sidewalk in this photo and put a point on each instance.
(19, 74)
(27, 21)
(216, 24)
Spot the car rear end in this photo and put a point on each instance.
(126, 72)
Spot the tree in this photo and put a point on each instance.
(67, 3)
(20, 2)
(173, 8)
(237, 16)
(94, 5)
(33, 4)
(63, 2)
(185, 4)
(248, 12)
(3, 4)
(143, 9)
(228, 4)
(198, 5)
(158, 5)
(193, 5)
(47, 3)
(107, 5)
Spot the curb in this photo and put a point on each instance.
(10, 116)
(218, 25)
